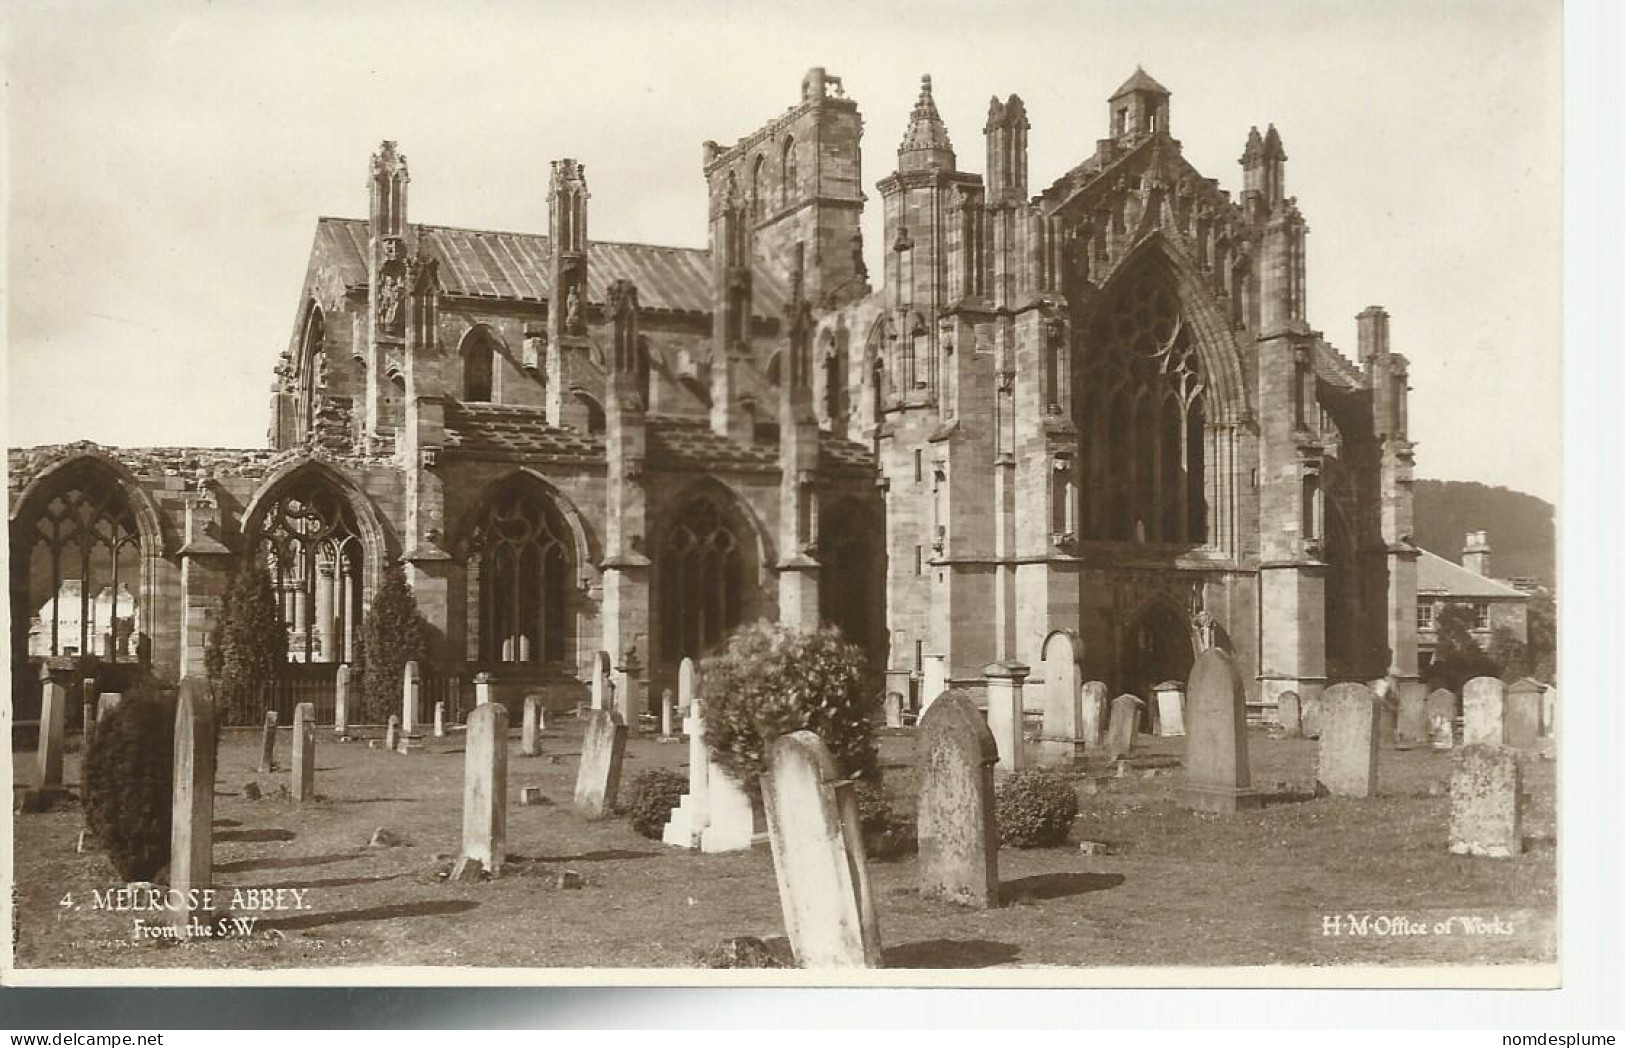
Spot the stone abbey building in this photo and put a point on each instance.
(1097, 407)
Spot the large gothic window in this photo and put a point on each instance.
(312, 548)
(1142, 418)
(520, 567)
(852, 580)
(702, 566)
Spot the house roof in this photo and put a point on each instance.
(1437, 576)
(515, 266)
(1140, 81)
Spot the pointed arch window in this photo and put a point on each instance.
(312, 549)
(312, 361)
(479, 365)
(520, 565)
(702, 571)
(758, 186)
(787, 169)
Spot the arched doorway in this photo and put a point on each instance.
(852, 575)
(1156, 647)
(706, 569)
(308, 537)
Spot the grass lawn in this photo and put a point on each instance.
(1174, 888)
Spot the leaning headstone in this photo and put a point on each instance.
(1485, 813)
(1413, 715)
(411, 685)
(1310, 706)
(1523, 700)
(341, 701)
(1125, 722)
(485, 787)
(191, 828)
(894, 710)
(268, 743)
(392, 733)
(1483, 712)
(599, 775)
(530, 727)
(1004, 712)
(812, 819)
(1441, 717)
(1348, 741)
(53, 726)
(439, 720)
(1170, 709)
(1096, 713)
(958, 830)
(688, 819)
(934, 680)
(302, 777)
(1289, 715)
(600, 680)
(1218, 777)
(1061, 742)
(686, 686)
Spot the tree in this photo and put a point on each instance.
(1458, 659)
(128, 776)
(248, 648)
(1542, 631)
(392, 635)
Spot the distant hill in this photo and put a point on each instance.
(1522, 532)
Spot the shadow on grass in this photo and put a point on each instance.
(331, 882)
(225, 822)
(606, 855)
(1288, 797)
(375, 800)
(1057, 886)
(288, 863)
(952, 953)
(255, 836)
(444, 908)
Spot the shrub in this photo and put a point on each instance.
(391, 636)
(650, 798)
(1035, 808)
(771, 681)
(128, 774)
(886, 833)
(248, 648)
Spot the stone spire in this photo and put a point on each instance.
(925, 144)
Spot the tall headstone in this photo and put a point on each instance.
(191, 828)
(482, 688)
(1004, 712)
(302, 772)
(958, 830)
(392, 733)
(485, 786)
(53, 727)
(894, 710)
(812, 819)
(1061, 742)
(687, 683)
(411, 684)
(341, 700)
(1310, 706)
(1523, 701)
(1548, 713)
(1289, 715)
(1483, 712)
(1170, 695)
(1218, 777)
(1441, 715)
(600, 680)
(440, 720)
(599, 776)
(1485, 802)
(268, 743)
(530, 743)
(688, 819)
(87, 723)
(933, 680)
(1124, 726)
(668, 706)
(87, 706)
(1096, 713)
(1413, 715)
(1350, 717)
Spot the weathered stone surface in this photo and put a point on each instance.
(1413, 718)
(1386, 692)
(600, 680)
(411, 688)
(1004, 712)
(1061, 742)
(812, 818)
(1485, 802)
(933, 680)
(482, 688)
(730, 823)
(1310, 706)
(1218, 777)
(629, 700)
(191, 828)
(1483, 712)
(599, 776)
(392, 733)
(687, 685)
(894, 710)
(383, 838)
(467, 871)
(1548, 713)
(531, 797)
(530, 738)
(106, 703)
(1523, 700)
(341, 700)
(958, 831)
(302, 768)
(689, 818)
(439, 720)
(1441, 715)
(668, 709)
(1170, 696)
(1348, 741)
(1124, 726)
(53, 729)
(1289, 715)
(1096, 713)
(485, 786)
(268, 743)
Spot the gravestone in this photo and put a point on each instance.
(485, 786)
(411, 684)
(87, 707)
(1548, 713)
(1485, 802)
(440, 720)
(812, 819)
(341, 700)
(1170, 696)
(191, 828)
(530, 743)
(1310, 706)
(268, 743)
(1061, 742)
(1124, 725)
(1483, 712)
(731, 820)
(894, 710)
(1523, 701)
(482, 688)
(688, 819)
(106, 703)
(1218, 777)
(53, 727)
(1004, 712)
(933, 680)
(392, 733)
(668, 705)
(1348, 741)
(628, 691)
(686, 685)
(600, 680)
(958, 830)
(1386, 691)
(1096, 713)
(599, 776)
(1441, 715)
(1413, 715)
(1289, 715)
(302, 770)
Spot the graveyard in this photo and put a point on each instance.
(365, 869)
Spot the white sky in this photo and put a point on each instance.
(167, 162)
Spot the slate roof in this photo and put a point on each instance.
(688, 443)
(506, 431)
(514, 266)
(1140, 81)
(1437, 576)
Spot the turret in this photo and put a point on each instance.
(1138, 108)
(568, 347)
(925, 145)
(1006, 133)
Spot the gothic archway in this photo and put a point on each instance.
(852, 575)
(706, 568)
(306, 533)
(1155, 647)
(521, 570)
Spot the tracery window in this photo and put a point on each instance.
(520, 565)
(312, 549)
(1142, 418)
(83, 571)
(702, 571)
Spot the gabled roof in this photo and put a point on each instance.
(1436, 576)
(514, 266)
(505, 431)
(1140, 81)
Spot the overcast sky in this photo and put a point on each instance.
(167, 162)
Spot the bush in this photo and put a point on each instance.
(886, 833)
(248, 648)
(1035, 808)
(771, 681)
(391, 636)
(128, 776)
(650, 798)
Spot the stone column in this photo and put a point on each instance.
(600, 680)
(53, 724)
(485, 787)
(1004, 711)
(205, 570)
(303, 767)
(191, 832)
(341, 700)
(268, 743)
(666, 706)
(439, 720)
(410, 684)
(1412, 729)
(629, 690)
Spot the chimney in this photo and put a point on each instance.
(1475, 553)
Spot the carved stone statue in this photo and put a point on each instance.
(572, 310)
(391, 293)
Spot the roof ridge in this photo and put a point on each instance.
(516, 233)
